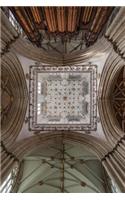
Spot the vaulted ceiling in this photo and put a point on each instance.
(63, 167)
(60, 166)
(66, 23)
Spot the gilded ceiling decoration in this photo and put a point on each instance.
(63, 98)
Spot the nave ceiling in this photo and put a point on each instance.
(63, 166)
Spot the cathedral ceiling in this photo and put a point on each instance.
(63, 98)
(62, 167)
(58, 159)
(64, 116)
(63, 25)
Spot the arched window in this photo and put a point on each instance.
(8, 184)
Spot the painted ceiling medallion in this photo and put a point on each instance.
(63, 98)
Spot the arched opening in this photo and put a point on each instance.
(62, 161)
(109, 87)
(14, 98)
(61, 164)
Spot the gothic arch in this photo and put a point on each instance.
(112, 68)
(20, 149)
(14, 98)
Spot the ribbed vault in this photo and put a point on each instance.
(63, 166)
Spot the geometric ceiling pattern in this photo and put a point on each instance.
(62, 98)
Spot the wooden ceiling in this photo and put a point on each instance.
(62, 21)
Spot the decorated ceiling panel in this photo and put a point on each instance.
(63, 98)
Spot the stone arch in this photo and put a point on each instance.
(111, 69)
(101, 149)
(14, 98)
